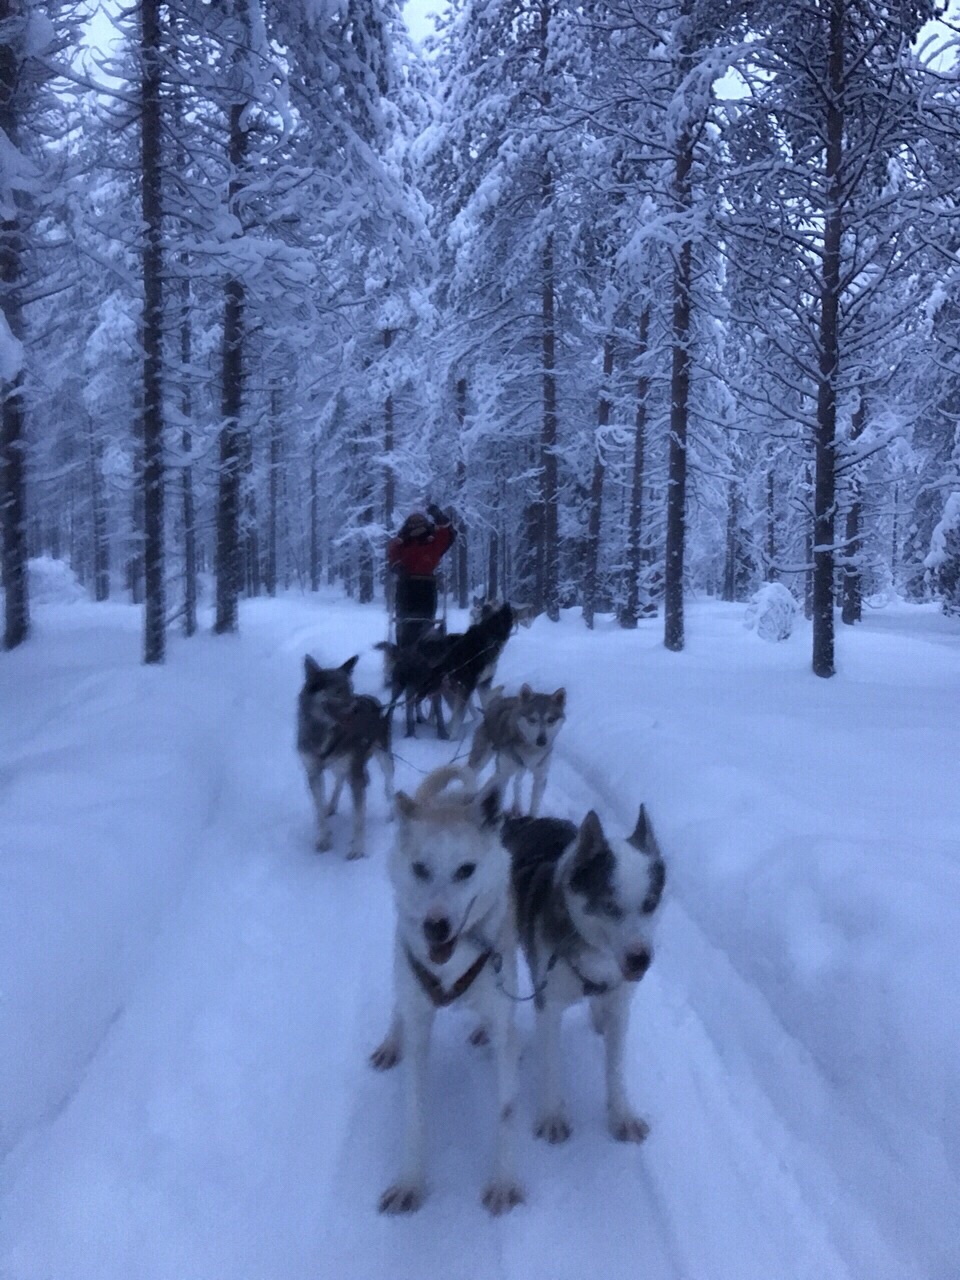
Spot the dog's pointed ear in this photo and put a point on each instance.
(311, 668)
(590, 839)
(560, 699)
(643, 837)
(406, 807)
(487, 805)
(350, 664)
(658, 878)
(526, 693)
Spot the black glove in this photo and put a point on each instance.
(436, 515)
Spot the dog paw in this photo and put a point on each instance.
(627, 1127)
(402, 1197)
(479, 1036)
(385, 1055)
(553, 1129)
(324, 844)
(502, 1195)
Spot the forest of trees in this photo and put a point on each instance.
(661, 298)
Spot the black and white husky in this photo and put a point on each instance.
(338, 731)
(585, 912)
(520, 733)
(455, 943)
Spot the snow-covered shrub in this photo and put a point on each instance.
(53, 582)
(771, 612)
(943, 560)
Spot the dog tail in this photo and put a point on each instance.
(434, 784)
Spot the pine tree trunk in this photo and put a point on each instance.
(852, 610)
(251, 521)
(273, 494)
(732, 551)
(135, 559)
(549, 578)
(13, 494)
(366, 571)
(314, 519)
(463, 578)
(389, 477)
(825, 486)
(186, 444)
(895, 538)
(101, 546)
(772, 572)
(630, 613)
(155, 619)
(852, 585)
(13, 502)
(550, 549)
(493, 564)
(595, 518)
(229, 567)
(679, 409)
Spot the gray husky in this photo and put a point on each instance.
(520, 732)
(585, 913)
(455, 942)
(339, 730)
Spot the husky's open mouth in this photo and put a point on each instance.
(441, 952)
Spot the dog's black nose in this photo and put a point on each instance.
(541, 739)
(636, 963)
(437, 930)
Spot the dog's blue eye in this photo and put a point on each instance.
(465, 871)
(421, 871)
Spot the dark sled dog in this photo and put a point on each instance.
(585, 912)
(339, 730)
(450, 668)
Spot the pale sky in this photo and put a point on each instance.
(416, 11)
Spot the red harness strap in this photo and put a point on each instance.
(432, 985)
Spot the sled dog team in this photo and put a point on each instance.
(471, 884)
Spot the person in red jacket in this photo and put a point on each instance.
(413, 555)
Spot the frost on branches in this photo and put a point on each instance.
(771, 612)
(943, 560)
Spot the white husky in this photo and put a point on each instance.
(456, 941)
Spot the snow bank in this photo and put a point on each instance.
(106, 772)
(771, 612)
(53, 582)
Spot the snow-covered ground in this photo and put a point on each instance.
(188, 993)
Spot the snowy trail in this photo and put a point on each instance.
(225, 1122)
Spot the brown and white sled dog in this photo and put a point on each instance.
(585, 908)
(455, 943)
(520, 732)
(338, 731)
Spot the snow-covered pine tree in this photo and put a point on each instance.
(835, 204)
(33, 39)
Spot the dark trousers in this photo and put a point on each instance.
(415, 606)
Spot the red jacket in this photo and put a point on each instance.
(420, 557)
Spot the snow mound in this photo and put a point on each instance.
(771, 612)
(53, 582)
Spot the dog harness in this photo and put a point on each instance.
(434, 988)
